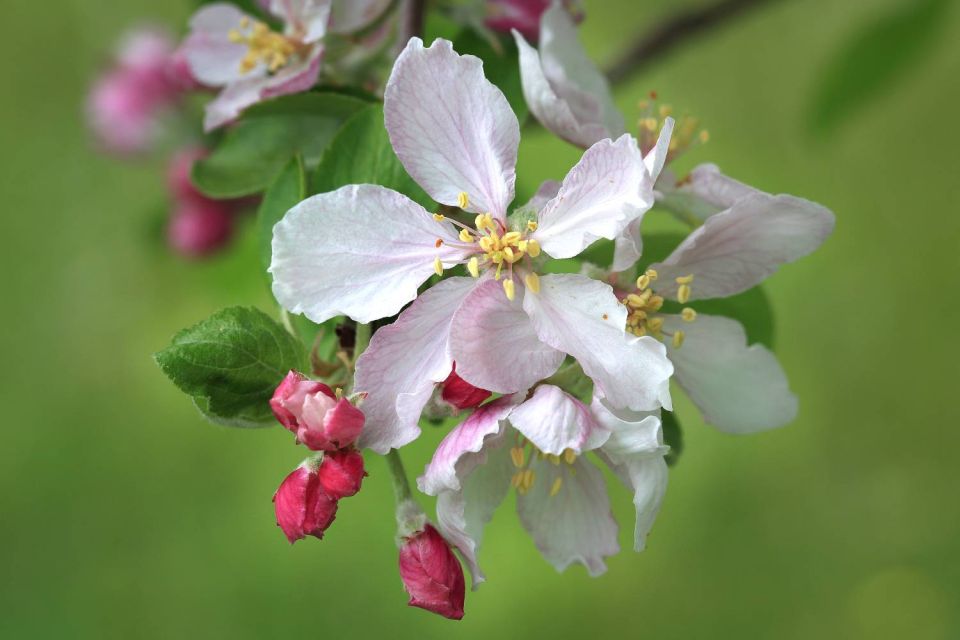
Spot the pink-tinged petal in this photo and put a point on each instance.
(352, 15)
(740, 247)
(657, 157)
(360, 251)
(295, 78)
(599, 197)
(403, 363)
(484, 482)
(495, 346)
(548, 191)
(738, 388)
(232, 100)
(214, 60)
(575, 524)
(704, 192)
(305, 20)
(452, 129)
(555, 421)
(582, 317)
(635, 452)
(441, 473)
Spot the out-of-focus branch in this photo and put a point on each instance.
(417, 13)
(676, 30)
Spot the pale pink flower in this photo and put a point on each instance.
(523, 15)
(539, 446)
(337, 254)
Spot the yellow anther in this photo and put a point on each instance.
(640, 331)
(532, 225)
(522, 246)
(438, 266)
(532, 281)
(509, 288)
(510, 255)
(569, 456)
(643, 105)
(640, 300)
(555, 487)
(486, 243)
(688, 314)
(655, 324)
(665, 110)
(497, 257)
(466, 236)
(704, 136)
(643, 282)
(516, 454)
(685, 279)
(463, 201)
(677, 339)
(511, 238)
(517, 479)
(652, 274)
(473, 266)
(554, 458)
(528, 478)
(533, 248)
(683, 293)
(244, 22)
(234, 36)
(479, 222)
(649, 124)
(439, 217)
(655, 303)
(495, 238)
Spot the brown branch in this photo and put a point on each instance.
(674, 31)
(416, 17)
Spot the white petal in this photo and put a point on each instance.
(736, 249)
(704, 192)
(657, 157)
(441, 474)
(304, 19)
(495, 346)
(582, 317)
(404, 361)
(632, 433)
(548, 191)
(554, 421)
(485, 480)
(359, 251)
(575, 524)
(214, 60)
(739, 389)
(352, 15)
(232, 100)
(452, 129)
(599, 197)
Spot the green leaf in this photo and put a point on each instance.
(231, 363)
(501, 67)
(286, 191)
(876, 57)
(361, 154)
(672, 436)
(250, 155)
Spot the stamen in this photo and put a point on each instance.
(532, 225)
(685, 279)
(528, 478)
(438, 243)
(463, 201)
(533, 248)
(438, 266)
(516, 454)
(473, 266)
(688, 314)
(439, 217)
(678, 339)
(555, 488)
(509, 289)
(569, 456)
(683, 293)
(532, 281)
(466, 236)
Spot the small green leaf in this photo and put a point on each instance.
(502, 67)
(286, 191)
(360, 153)
(672, 436)
(875, 58)
(231, 363)
(250, 155)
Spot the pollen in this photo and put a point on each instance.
(683, 294)
(264, 46)
(555, 487)
(473, 266)
(438, 266)
(531, 225)
(517, 455)
(533, 248)
(532, 281)
(509, 289)
(678, 339)
(466, 236)
(439, 217)
(688, 314)
(569, 456)
(463, 201)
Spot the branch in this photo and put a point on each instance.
(674, 31)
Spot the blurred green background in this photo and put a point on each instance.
(125, 515)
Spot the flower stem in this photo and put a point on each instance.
(401, 486)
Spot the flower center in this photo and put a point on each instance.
(643, 306)
(264, 46)
(496, 248)
(522, 455)
(686, 133)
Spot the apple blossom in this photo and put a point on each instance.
(523, 15)
(457, 137)
(538, 446)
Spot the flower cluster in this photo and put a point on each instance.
(467, 314)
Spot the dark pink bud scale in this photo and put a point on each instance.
(432, 575)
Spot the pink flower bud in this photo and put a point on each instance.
(341, 473)
(178, 173)
(523, 15)
(431, 574)
(302, 508)
(311, 410)
(461, 394)
(199, 227)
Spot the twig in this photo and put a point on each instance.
(416, 16)
(674, 31)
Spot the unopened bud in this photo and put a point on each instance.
(461, 394)
(302, 507)
(312, 411)
(431, 574)
(341, 473)
(200, 227)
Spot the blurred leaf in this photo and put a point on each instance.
(502, 67)
(286, 191)
(231, 363)
(251, 154)
(361, 154)
(672, 436)
(874, 59)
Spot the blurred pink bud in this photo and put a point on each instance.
(178, 173)
(199, 227)
(461, 394)
(341, 473)
(312, 411)
(523, 15)
(127, 103)
(431, 574)
(302, 508)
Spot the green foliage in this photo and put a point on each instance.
(360, 153)
(874, 59)
(287, 190)
(231, 363)
(250, 155)
(672, 436)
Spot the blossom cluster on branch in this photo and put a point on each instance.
(543, 335)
